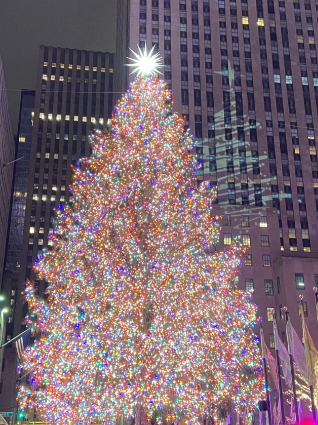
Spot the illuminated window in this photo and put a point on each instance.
(84, 119)
(249, 285)
(93, 120)
(62, 65)
(44, 77)
(227, 238)
(35, 197)
(61, 78)
(31, 230)
(270, 314)
(266, 260)
(305, 234)
(300, 283)
(70, 66)
(86, 68)
(269, 289)
(44, 197)
(41, 230)
(75, 118)
(22, 139)
(47, 155)
(291, 233)
(245, 20)
(95, 68)
(56, 156)
(40, 242)
(245, 221)
(264, 240)
(103, 69)
(78, 67)
(101, 121)
(67, 117)
(263, 221)
(226, 220)
(246, 239)
(52, 77)
(53, 65)
(111, 70)
(58, 118)
(44, 63)
(248, 260)
(42, 116)
(53, 198)
(260, 22)
(50, 116)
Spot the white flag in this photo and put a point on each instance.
(283, 355)
(300, 409)
(296, 349)
(292, 411)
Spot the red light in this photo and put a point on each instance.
(307, 421)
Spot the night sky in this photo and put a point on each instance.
(25, 24)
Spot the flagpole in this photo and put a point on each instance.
(15, 338)
(316, 298)
(266, 383)
(311, 388)
(291, 368)
(279, 377)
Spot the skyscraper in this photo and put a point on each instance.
(7, 153)
(245, 77)
(73, 96)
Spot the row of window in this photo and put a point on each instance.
(269, 286)
(78, 67)
(246, 239)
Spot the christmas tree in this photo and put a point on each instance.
(142, 318)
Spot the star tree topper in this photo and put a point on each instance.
(144, 63)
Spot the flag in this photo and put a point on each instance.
(283, 355)
(292, 411)
(296, 349)
(300, 409)
(277, 416)
(266, 353)
(261, 418)
(310, 351)
(21, 343)
(3, 421)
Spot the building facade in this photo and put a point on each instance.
(73, 97)
(245, 77)
(11, 273)
(7, 156)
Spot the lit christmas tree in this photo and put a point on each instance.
(142, 318)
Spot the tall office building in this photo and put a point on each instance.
(11, 273)
(245, 77)
(73, 96)
(7, 153)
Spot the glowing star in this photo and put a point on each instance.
(146, 64)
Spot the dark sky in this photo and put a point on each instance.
(25, 24)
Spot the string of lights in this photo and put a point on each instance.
(139, 317)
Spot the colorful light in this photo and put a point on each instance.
(141, 316)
